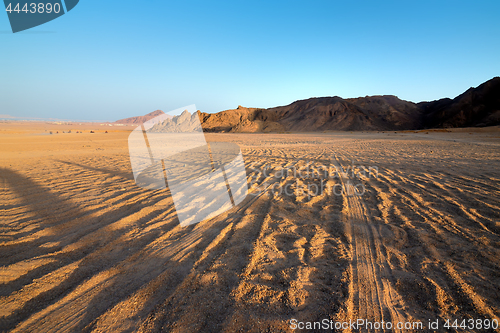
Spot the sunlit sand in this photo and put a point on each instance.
(82, 247)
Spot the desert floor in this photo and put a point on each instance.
(83, 248)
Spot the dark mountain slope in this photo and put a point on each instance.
(476, 107)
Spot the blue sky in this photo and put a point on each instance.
(107, 60)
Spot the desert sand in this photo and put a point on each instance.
(83, 248)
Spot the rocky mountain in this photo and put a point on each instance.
(476, 107)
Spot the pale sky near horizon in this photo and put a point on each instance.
(107, 60)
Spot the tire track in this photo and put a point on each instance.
(371, 292)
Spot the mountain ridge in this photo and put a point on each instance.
(476, 107)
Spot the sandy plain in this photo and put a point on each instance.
(83, 248)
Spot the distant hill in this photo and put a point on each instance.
(139, 120)
(318, 114)
(476, 107)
